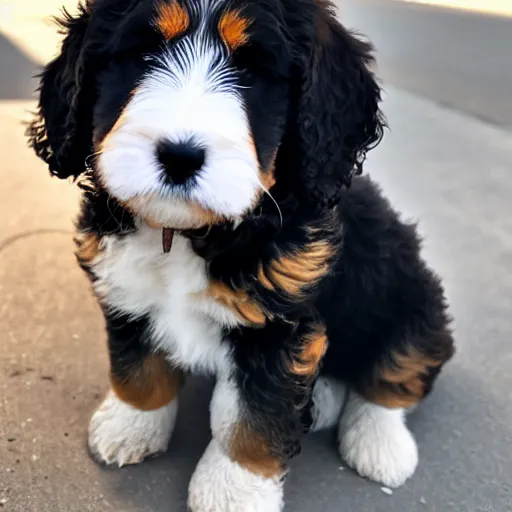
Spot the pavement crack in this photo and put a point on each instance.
(10, 240)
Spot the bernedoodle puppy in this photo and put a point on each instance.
(215, 142)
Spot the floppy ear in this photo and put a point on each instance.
(61, 131)
(337, 116)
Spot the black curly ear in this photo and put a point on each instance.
(338, 117)
(61, 132)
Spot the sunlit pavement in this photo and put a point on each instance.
(496, 7)
(28, 24)
(459, 58)
(443, 167)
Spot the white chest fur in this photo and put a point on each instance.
(136, 277)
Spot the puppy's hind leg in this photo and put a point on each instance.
(373, 436)
(375, 441)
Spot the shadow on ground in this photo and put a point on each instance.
(17, 72)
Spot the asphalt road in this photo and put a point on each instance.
(447, 169)
(458, 58)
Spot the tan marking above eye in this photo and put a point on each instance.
(233, 29)
(172, 20)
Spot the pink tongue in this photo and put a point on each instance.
(167, 236)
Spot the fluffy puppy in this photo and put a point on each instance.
(216, 141)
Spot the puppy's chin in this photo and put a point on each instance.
(161, 213)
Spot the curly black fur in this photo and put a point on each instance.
(60, 134)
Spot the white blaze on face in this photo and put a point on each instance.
(190, 93)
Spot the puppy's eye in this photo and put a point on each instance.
(263, 60)
(254, 62)
(246, 76)
(245, 62)
(135, 45)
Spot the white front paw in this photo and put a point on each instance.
(121, 434)
(222, 485)
(378, 445)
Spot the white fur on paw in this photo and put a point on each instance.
(376, 442)
(121, 434)
(328, 399)
(221, 485)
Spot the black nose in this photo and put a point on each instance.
(180, 160)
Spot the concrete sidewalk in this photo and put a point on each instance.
(498, 7)
(455, 57)
(447, 170)
(28, 39)
(28, 24)
(450, 171)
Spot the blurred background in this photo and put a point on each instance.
(446, 68)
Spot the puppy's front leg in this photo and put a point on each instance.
(259, 411)
(137, 417)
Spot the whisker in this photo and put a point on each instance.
(92, 155)
(109, 198)
(275, 202)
